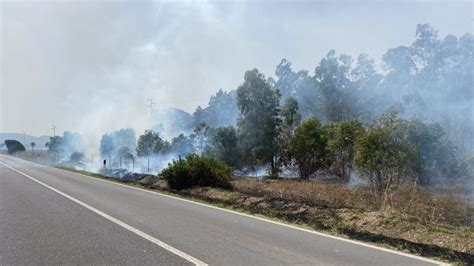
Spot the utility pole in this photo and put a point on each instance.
(54, 130)
(150, 105)
(24, 138)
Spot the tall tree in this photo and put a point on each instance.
(259, 122)
(151, 143)
(225, 143)
(291, 118)
(337, 91)
(107, 146)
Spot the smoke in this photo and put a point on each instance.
(90, 67)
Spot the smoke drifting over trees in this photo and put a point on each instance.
(260, 114)
(426, 87)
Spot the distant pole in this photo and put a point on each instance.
(105, 168)
(148, 163)
(150, 105)
(54, 130)
(24, 138)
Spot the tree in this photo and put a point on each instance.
(225, 143)
(151, 143)
(435, 155)
(112, 143)
(124, 137)
(182, 145)
(54, 145)
(14, 146)
(300, 86)
(221, 110)
(125, 155)
(366, 82)
(341, 146)
(291, 118)
(286, 79)
(384, 156)
(309, 147)
(259, 122)
(107, 146)
(289, 112)
(337, 90)
(201, 137)
(32, 144)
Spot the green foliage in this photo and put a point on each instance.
(14, 146)
(259, 121)
(151, 143)
(337, 90)
(291, 118)
(221, 110)
(341, 146)
(309, 147)
(201, 138)
(182, 145)
(225, 143)
(394, 149)
(290, 114)
(197, 171)
(383, 155)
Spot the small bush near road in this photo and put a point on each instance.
(197, 171)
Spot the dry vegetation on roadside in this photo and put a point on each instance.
(417, 220)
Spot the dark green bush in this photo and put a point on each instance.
(197, 171)
(14, 146)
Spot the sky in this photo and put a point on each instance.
(90, 66)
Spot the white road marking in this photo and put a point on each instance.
(255, 217)
(114, 220)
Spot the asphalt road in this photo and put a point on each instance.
(50, 216)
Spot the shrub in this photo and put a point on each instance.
(341, 146)
(197, 171)
(309, 147)
(14, 146)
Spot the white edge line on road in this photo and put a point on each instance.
(116, 221)
(251, 216)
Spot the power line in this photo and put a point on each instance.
(150, 105)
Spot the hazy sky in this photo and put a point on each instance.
(89, 66)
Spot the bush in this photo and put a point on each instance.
(197, 171)
(309, 147)
(14, 146)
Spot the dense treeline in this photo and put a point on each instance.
(411, 120)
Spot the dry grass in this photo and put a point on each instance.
(426, 206)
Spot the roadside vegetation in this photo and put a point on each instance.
(336, 151)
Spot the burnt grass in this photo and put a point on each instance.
(350, 214)
(417, 221)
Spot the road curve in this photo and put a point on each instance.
(51, 216)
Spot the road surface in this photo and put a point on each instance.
(50, 216)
